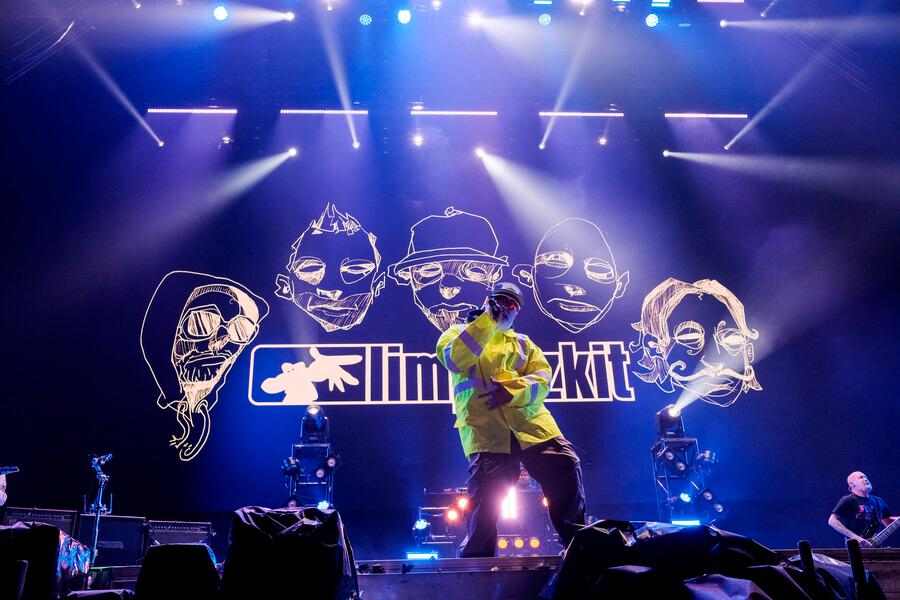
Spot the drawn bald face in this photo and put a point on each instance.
(574, 275)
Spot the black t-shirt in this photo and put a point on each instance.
(858, 513)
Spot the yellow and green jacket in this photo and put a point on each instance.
(480, 358)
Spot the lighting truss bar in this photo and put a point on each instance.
(454, 113)
(542, 2)
(580, 114)
(322, 111)
(686, 522)
(192, 111)
(720, 1)
(706, 115)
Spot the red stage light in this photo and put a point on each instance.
(452, 515)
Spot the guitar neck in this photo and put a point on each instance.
(884, 534)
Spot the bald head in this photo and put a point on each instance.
(859, 484)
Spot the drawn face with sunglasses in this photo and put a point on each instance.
(215, 325)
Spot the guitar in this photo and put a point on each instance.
(8, 470)
(878, 540)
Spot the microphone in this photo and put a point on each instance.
(102, 460)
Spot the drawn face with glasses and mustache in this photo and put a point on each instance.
(215, 325)
(694, 336)
(213, 319)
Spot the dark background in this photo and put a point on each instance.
(95, 215)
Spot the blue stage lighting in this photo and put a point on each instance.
(323, 505)
(365, 19)
(686, 522)
(652, 20)
(545, 19)
(421, 555)
(685, 497)
(220, 13)
(421, 524)
(404, 15)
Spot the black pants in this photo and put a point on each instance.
(553, 464)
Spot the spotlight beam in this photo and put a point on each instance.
(338, 73)
(533, 198)
(786, 91)
(853, 178)
(113, 88)
(568, 82)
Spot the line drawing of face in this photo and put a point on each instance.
(451, 265)
(573, 275)
(686, 343)
(333, 271)
(213, 323)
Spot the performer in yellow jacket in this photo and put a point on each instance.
(500, 380)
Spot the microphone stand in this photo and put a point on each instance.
(98, 508)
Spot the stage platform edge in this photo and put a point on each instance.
(508, 578)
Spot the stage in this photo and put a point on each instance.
(499, 578)
(430, 263)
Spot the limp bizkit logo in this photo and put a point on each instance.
(371, 374)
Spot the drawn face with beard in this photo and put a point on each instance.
(215, 325)
(694, 337)
(333, 271)
(445, 291)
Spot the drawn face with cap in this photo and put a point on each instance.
(695, 337)
(446, 290)
(216, 323)
(333, 271)
(574, 275)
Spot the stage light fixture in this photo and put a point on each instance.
(479, 152)
(356, 144)
(684, 497)
(452, 515)
(462, 502)
(652, 20)
(436, 4)
(314, 427)
(475, 19)
(404, 16)
(320, 473)
(421, 555)
(421, 524)
(160, 143)
(545, 19)
(620, 6)
(545, 502)
(534, 542)
(519, 543)
(365, 19)
(711, 503)
(292, 152)
(541, 146)
(686, 522)
(723, 23)
(502, 543)
(666, 154)
(220, 13)
(669, 422)
(289, 16)
(603, 140)
(323, 505)
(418, 139)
